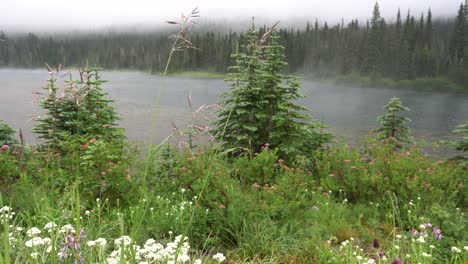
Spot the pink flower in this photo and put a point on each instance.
(407, 154)
(255, 185)
(352, 167)
(5, 147)
(331, 175)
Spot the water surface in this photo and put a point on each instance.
(350, 112)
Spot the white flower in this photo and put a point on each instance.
(87, 212)
(35, 241)
(50, 225)
(126, 240)
(101, 241)
(421, 240)
(34, 255)
(91, 243)
(455, 249)
(359, 257)
(198, 261)
(465, 248)
(19, 229)
(424, 254)
(219, 257)
(371, 261)
(398, 236)
(67, 229)
(432, 246)
(5, 210)
(182, 190)
(33, 231)
(397, 247)
(49, 249)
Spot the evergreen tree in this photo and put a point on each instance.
(82, 111)
(6, 133)
(392, 124)
(259, 108)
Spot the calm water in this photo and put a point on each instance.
(350, 112)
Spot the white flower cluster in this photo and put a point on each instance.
(100, 242)
(50, 226)
(67, 229)
(6, 214)
(152, 252)
(36, 242)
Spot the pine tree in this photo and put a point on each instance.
(259, 108)
(392, 124)
(82, 111)
(6, 133)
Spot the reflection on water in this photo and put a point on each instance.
(350, 112)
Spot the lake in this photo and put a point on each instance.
(349, 112)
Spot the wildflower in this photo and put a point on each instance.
(421, 240)
(34, 255)
(91, 243)
(197, 261)
(255, 185)
(49, 226)
(331, 175)
(397, 261)
(398, 236)
(437, 233)
(465, 248)
(67, 229)
(455, 249)
(381, 254)
(101, 241)
(397, 247)
(359, 258)
(376, 243)
(431, 246)
(5, 147)
(426, 255)
(33, 231)
(35, 241)
(219, 257)
(123, 240)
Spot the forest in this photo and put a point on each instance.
(405, 47)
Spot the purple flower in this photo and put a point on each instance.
(376, 243)
(415, 232)
(427, 224)
(397, 261)
(381, 254)
(437, 233)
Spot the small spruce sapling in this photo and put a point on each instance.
(392, 124)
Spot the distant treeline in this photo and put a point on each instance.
(405, 49)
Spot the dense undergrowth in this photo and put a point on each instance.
(356, 205)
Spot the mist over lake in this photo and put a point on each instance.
(349, 112)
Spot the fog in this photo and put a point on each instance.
(90, 15)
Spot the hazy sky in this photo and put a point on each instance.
(94, 14)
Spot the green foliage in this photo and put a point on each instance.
(6, 133)
(82, 111)
(259, 109)
(392, 124)
(462, 143)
